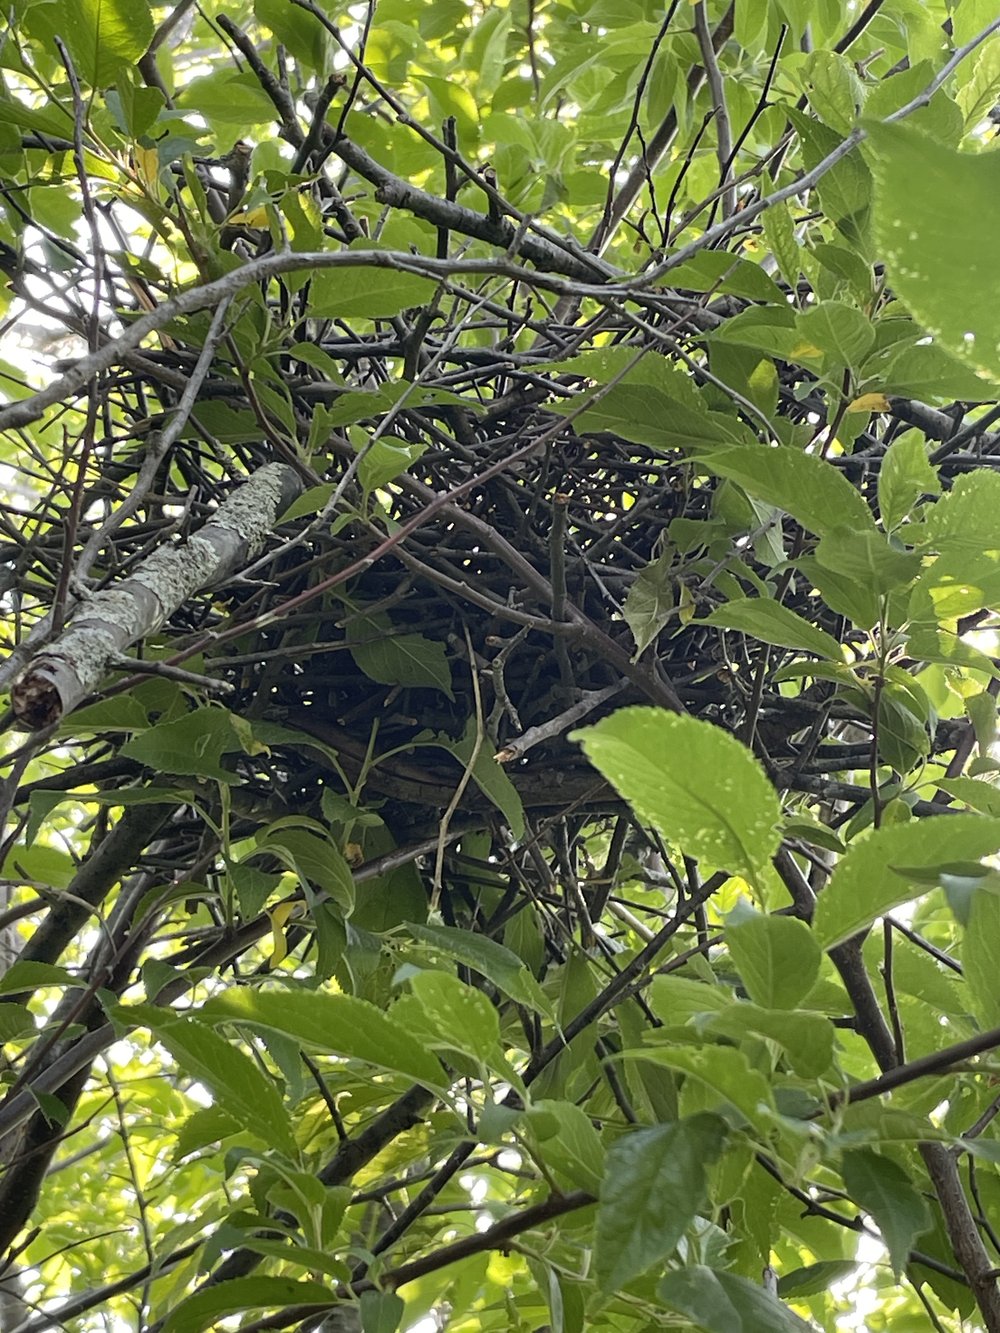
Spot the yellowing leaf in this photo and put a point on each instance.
(251, 217)
(147, 166)
(278, 917)
(869, 402)
(685, 605)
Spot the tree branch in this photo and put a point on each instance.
(76, 663)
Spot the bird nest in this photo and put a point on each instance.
(461, 582)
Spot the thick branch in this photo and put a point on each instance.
(114, 858)
(498, 231)
(111, 620)
(936, 1062)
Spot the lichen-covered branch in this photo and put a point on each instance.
(76, 663)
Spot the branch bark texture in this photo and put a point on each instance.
(121, 615)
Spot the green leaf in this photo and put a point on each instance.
(461, 1016)
(676, 1000)
(813, 831)
(916, 973)
(928, 643)
(841, 593)
(397, 659)
(649, 604)
(941, 117)
(842, 333)
(102, 36)
(139, 106)
(926, 370)
(845, 190)
(311, 501)
(654, 1183)
(866, 559)
(317, 860)
(814, 1279)
(749, 371)
(121, 714)
(724, 1303)
(208, 1306)
(645, 415)
(384, 461)
(450, 97)
(882, 1188)
(338, 1024)
(56, 120)
(208, 1125)
(381, 1311)
(227, 99)
(777, 957)
(769, 329)
(297, 30)
(905, 475)
(767, 620)
(192, 745)
(623, 364)
(940, 260)
(237, 1084)
(848, 267)
(487, 773)
(718, 272)
(967, 518)
(807, 1038)
(803, 485)
(252, 887)
(781, 240)
(365, 405)
(835, 92)
(366, 292)
(964, 526)
(16, 1022)
(693, 783)
(874, 876)
(44, 864)
(29, 976)
(980, 952)
(724, 1070)
(491, 960)
(568, 1143)
(981, 796)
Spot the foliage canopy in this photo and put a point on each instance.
(500, 559)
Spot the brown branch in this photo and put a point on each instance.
(395, 192)
(937, 1062)
(495, 1237)
(709, 45)
(657, 147)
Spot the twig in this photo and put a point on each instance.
(723, 129)
(713, 235)
(633, 124)
(146, 667)
(466, 778)
(556, 726)
(654, 152)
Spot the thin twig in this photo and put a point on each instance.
(723, 128)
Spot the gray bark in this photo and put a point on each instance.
(107, 623)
